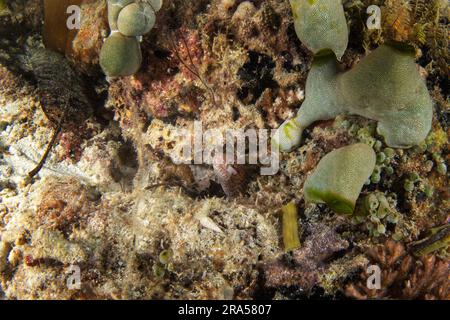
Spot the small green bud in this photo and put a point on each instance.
(375, 178)
(414, 177)
(429, 165)
(345, 124)
(381, 229)
(392, 218)
(381, 157)
(437, 157)
(377, 170)
(374, 219)
(371, 202)
(422, 147)
(441, 168)
(397, 236)
(354, 129)
(382, 212)
(428, 191)
(377, 145)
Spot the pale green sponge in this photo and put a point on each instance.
(114, 8)
(385, 86)
(136, 19)
(339, 177)
(388, 87)
(321, 25)
(120, 56)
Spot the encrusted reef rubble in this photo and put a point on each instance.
(111, 200)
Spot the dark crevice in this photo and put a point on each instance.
(257, 75)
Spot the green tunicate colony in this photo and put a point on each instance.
(385, 86)
(128, 20)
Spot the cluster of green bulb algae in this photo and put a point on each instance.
(128, 20)
(385, 86)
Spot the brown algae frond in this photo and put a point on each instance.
(290, 226)
(340, 176)
(385, 86)
(376, 211)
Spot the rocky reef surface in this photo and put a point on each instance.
(111, 201)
